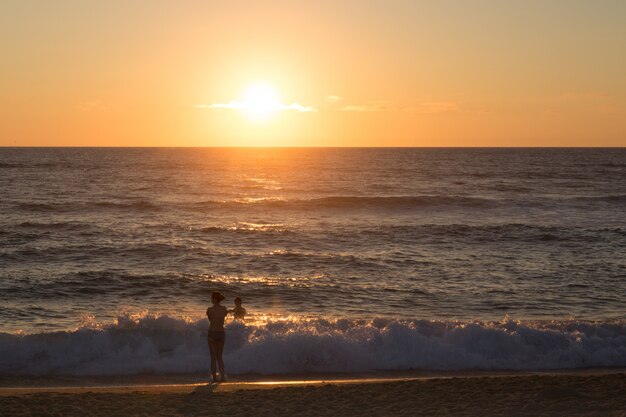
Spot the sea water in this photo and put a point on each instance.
(346, 259)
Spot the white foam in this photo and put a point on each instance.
(161, 344)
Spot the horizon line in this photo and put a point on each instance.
(306, 147)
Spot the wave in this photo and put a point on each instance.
(247, 228)
(314, 245)
(29, 165)
(613, 199)
(162, 344)
(10, 165)
(63, 226)
(321, 203)
(351, 202)
(613, 165)
(54, 165)
(80, 206)
(41, 207)
(524, 231)
(493, 232)
(337, 202)
(135, 205)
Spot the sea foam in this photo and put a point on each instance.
(162, 344)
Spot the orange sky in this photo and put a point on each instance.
(376, 73)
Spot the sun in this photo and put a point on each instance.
(260, 102)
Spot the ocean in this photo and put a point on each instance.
(346, 259)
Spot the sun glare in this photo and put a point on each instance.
(260, 102)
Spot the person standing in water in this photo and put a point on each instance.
(239, 312)
(216, 337)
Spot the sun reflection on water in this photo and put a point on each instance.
(292, 281)
(258, 227)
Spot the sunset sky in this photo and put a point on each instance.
(313, 73)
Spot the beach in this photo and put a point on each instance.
(597, 393)
(322, 208)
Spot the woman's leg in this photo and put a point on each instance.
(219, 348)
(213, 350)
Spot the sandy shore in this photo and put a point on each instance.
(580, 394)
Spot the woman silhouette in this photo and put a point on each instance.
(216, 336)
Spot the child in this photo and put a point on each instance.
(239, 312)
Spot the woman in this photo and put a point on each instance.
(216, 315)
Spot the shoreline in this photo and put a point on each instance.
(17, 385)
(586, 393)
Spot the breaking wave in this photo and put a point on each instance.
(162, 344)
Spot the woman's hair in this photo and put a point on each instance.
(216, 295)
(237, 300)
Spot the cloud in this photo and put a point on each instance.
(332, 99)
(238, 105)
(425, 107)
(433, 107)
(299, 107)
(370, 107)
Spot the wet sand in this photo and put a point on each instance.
(567, 394)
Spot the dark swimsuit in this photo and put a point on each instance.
(216, 335)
